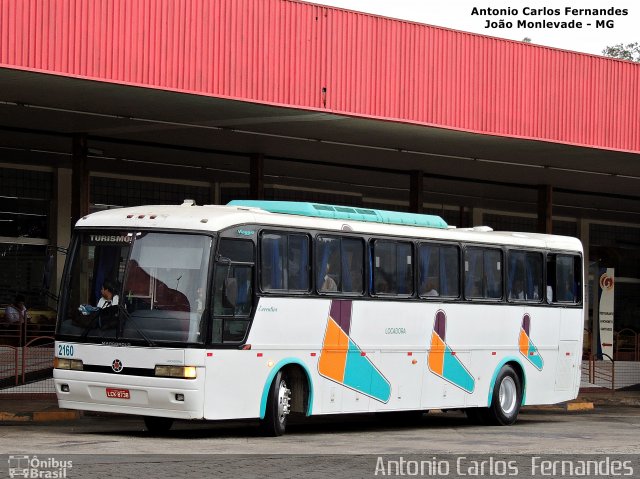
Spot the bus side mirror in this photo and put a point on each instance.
(230, 293)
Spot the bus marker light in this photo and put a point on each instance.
(313, 354)
(209, 355)
(270, 363)
(246, 347)
(153, 217)
(568, 354)
(259, 355)
(415, 361)
(493, 353)
(363, 353)
(453, 353)
(129, 216)
(140, 217)
(409, 353)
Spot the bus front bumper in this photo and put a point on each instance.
(144, 396)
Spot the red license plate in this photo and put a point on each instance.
(118, 393)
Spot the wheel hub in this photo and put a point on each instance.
(284, 400)
(508, 395)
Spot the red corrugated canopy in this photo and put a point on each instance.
(301, 55)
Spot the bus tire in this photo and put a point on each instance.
(506, 399)
(158, 425)
(278, 406)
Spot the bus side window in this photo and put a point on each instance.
(524, 276)
(564, 275)
(392, 268)
(284, 262)
(483, 273)
(339, 264)
(438, 270)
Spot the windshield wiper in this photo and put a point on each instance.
(122, 310)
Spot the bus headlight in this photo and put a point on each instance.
(64, 363)
(183, 372)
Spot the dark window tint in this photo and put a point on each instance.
(483, 273)
(564, 278)
(439, 270)
(339, 264)
(284, 262)
(524, 276)
(392, 268)
(240, 251)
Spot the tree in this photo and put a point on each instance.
(526, 40)
(630, 51)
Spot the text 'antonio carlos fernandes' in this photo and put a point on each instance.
(491, 467)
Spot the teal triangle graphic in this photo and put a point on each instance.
(454, 371)
(535, 358)
(360, 374)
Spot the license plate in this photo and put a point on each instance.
(118, 393)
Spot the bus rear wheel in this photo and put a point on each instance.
(278, 407)
(506, 399)
(158, 425)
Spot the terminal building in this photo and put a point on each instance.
(116, 103)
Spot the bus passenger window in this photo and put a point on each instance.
(524, 276)
(284, 262)
(564, 276)
(483, 273)
(339, 264)
(439, 270)
(392, 268)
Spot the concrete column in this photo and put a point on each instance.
(590, 297)
(477, 216)
(79, 178)
(62, 226)
(416, 192)
(214, 193)
(545, 209)
(256, 177)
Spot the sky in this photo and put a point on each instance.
(457, 14)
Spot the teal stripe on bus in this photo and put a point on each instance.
(318, 210)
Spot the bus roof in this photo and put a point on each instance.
(212, 218)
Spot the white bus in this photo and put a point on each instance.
(261, 308)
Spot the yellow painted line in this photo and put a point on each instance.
(55, 416)
(7, 416)
(579, 406)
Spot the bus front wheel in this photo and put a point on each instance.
(278, 407)
(158, 425)
(507, 398)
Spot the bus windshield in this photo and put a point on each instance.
(144, 287)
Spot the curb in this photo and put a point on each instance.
(579, 406)
(40, 416)
(573, 406)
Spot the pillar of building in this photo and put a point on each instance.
(214, 193)
(477, 217)
(256, 177)
(416, 192)
(545, 209)
(61, 228)
(589, 297)
(79, 178)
